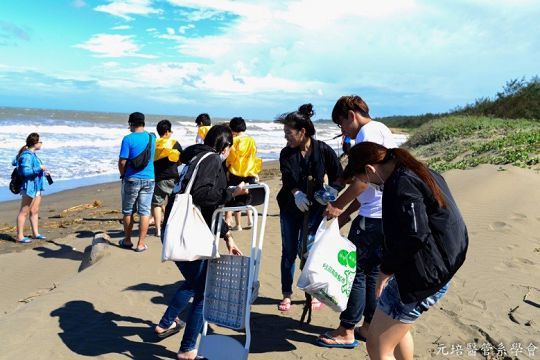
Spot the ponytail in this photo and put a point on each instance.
(21, 150)
(405, 159)
(31, 140)
(366, 153)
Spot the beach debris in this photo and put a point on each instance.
(95, 204)
(8, 228)
(28, 299)
(511, 315)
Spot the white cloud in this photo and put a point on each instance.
(170, 31)
(125, 8)
(121, 27)
(165, 75)
(182, 29)
(115, 46)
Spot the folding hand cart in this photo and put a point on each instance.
(232, 285)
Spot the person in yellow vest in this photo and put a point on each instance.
(204, 123)
(243, 166)
(166, 161)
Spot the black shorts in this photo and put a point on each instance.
(241, 200)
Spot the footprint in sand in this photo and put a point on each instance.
(500, 226)
(525, 261)
(518, 217)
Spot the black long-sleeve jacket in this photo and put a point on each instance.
(425, 244)
(295, 171)
(209, 190)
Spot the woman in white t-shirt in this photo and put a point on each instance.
(351, 114)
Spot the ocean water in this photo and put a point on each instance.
(81, 148)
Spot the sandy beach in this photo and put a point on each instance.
(51, 310)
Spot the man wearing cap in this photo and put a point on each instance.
(136, 167)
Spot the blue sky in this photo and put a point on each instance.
(260, 58)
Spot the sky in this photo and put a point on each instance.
(258, 59)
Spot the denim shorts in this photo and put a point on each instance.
(137, 196)
(162, 190)
(390, 303)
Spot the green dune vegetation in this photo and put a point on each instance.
(499, 131)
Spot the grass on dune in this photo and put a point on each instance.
(461, 142)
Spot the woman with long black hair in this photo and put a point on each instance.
(302, 159)
(209, 191)
(425, 243)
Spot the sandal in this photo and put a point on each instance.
(144, 248)
(123, 245)
(40, 237)
(285, 305)
(173, 329)
(336, 343)
(24, 240)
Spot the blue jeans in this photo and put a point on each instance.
(390, 303)
(137, 196)
(194, 273)
(367, 235)
(291, 241)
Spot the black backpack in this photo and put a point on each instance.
(16, 182)
(140, 161)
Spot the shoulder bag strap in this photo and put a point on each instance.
(192, 179)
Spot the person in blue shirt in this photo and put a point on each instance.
(137, 179)
(32, 171)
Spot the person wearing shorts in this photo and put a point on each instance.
(243, 166)
(137, 184)
(166, 161)
(425, 243)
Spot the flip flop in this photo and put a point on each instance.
(25, 240)
(337, 343)
(141, 249)
(173, 329)
(284, 305)
(123, 245)
(359, 336)
(40, 237)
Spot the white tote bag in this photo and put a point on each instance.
(330, 268)
(187, 237)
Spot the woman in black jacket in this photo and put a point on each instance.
(425, 243)
(209, 191)
(302, 158)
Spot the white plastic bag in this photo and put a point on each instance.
(330, 268)
(187, 236)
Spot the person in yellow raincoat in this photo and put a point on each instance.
(166, 161)
(243, 166)
(204, 123)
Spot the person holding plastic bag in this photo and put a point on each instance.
(330, 267)
(302, 158)
(209, 191)
(351, 114)
(425, 243)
